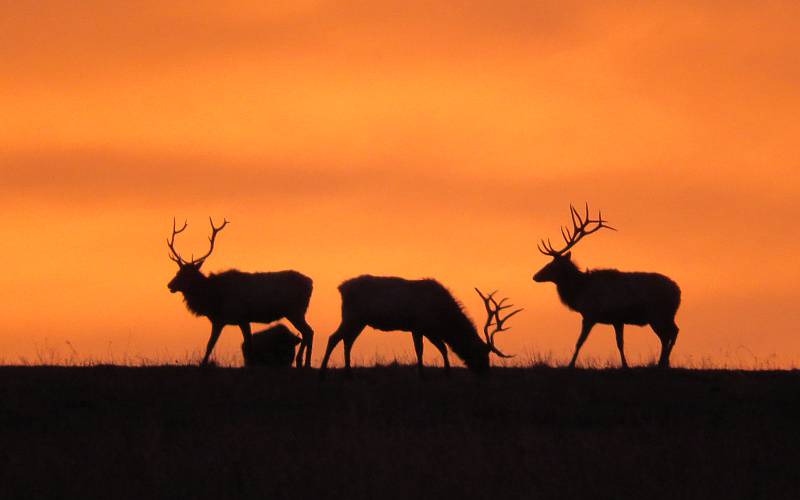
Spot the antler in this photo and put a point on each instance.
(578, 232)
(175, 257)
(493, 319)
(214, 231)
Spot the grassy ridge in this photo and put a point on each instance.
(177, 432)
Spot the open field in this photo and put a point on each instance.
(182, 432)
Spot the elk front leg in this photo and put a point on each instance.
(667, 331)
(443, 350)
(216, 329)
(347, 331)
(618, 330)
(586, 327)
(248, 337)
(674, 330)
(418, 349)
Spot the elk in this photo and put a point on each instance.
(237, 298)
(608, 296)
(423, 307)
(274, 346)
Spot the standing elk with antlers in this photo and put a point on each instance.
(238, 298)
(423, 307)
(608, 296)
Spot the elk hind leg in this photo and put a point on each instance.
(247, 334)
(618, 331)
(307, 343)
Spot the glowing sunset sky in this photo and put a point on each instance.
(398, 138)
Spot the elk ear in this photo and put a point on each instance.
(568, 255)
(198, 265)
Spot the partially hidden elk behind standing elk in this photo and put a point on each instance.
(608, 296)
(423, 307)
(238, 298)
(273, 347)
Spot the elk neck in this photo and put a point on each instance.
(199, 298)
(570, 286)
(466, 343)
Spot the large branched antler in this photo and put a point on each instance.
(494, 319)
(175, 257)
(577, 233)
(211, 239)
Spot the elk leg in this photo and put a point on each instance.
(348, 346)
(333, 341)
(673, 339)
(618, 330)
(347, 332)
(308, 340)
(663, 361)
(586, 327)
(667, 332)
(212, 341)
(418, 349)
(248, 337)
(442, 349)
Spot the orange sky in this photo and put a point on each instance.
(398, 138)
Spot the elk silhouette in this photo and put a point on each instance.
(423, 307)
(608, 296)
(274, 346)
(237, 298)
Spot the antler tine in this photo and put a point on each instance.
(214, 231)
(579, 230)
(565, 234)
(545, 248)
(487, 304)
(550, 250)
(539, 247)
(501, 321)
(603, 222)
(573, 213)
(493, 319)
(501, 306)
(171, 242)
(174, 231)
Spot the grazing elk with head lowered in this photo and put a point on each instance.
(423, 307)
(609, 296)
(237, 298)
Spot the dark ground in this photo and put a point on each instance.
(182, 432)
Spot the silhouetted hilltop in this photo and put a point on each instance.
(184, 432)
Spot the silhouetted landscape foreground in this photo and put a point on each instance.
(184, 432)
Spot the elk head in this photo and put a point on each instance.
(562, 263)
(189, 273)
(495, 322)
